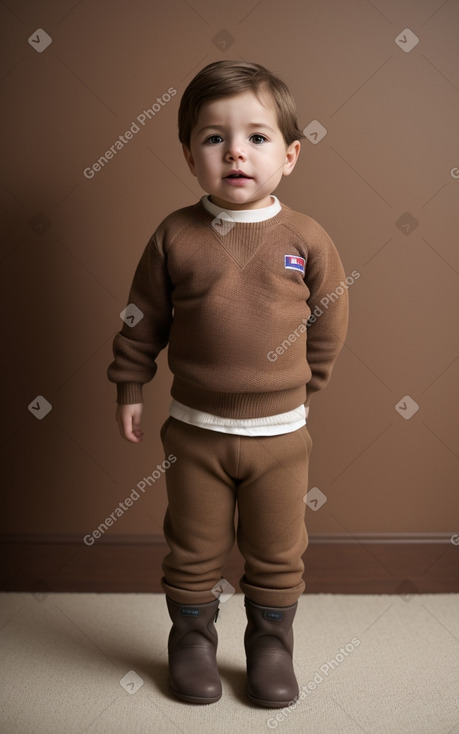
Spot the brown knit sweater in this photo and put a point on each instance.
(234, 309)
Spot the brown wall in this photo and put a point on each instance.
(70, 244)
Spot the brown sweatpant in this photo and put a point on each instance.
(268, 477)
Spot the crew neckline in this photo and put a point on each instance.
(243, 215)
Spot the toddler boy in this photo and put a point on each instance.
(233, 285)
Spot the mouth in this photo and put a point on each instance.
(237, 174)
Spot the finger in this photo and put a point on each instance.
(125, 425)
(136, 427)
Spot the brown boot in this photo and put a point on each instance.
(268, 645)
(192, 646)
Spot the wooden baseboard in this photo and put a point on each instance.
(362, 564)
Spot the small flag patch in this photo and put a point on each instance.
(293, 262)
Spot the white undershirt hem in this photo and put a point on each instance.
(271, 425)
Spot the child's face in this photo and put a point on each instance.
(239, 133)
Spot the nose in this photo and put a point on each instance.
(235, 150)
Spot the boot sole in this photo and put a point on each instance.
(270, 704)
(195, 699)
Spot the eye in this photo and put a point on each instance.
(258, 139)
(213, 139)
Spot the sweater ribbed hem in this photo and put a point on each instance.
(129, 393)
(237, 405)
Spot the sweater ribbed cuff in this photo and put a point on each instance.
(129, 393)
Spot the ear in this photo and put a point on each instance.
(291, 157)
(189, 159)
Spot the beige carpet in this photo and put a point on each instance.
(63, 657)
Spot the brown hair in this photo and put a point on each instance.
(226, 78)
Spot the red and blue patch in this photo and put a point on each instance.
(293, 262)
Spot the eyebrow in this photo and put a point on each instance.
(222, 127)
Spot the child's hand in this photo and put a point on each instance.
(128, 418)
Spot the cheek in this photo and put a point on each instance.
(270, 157)
(208, 161)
